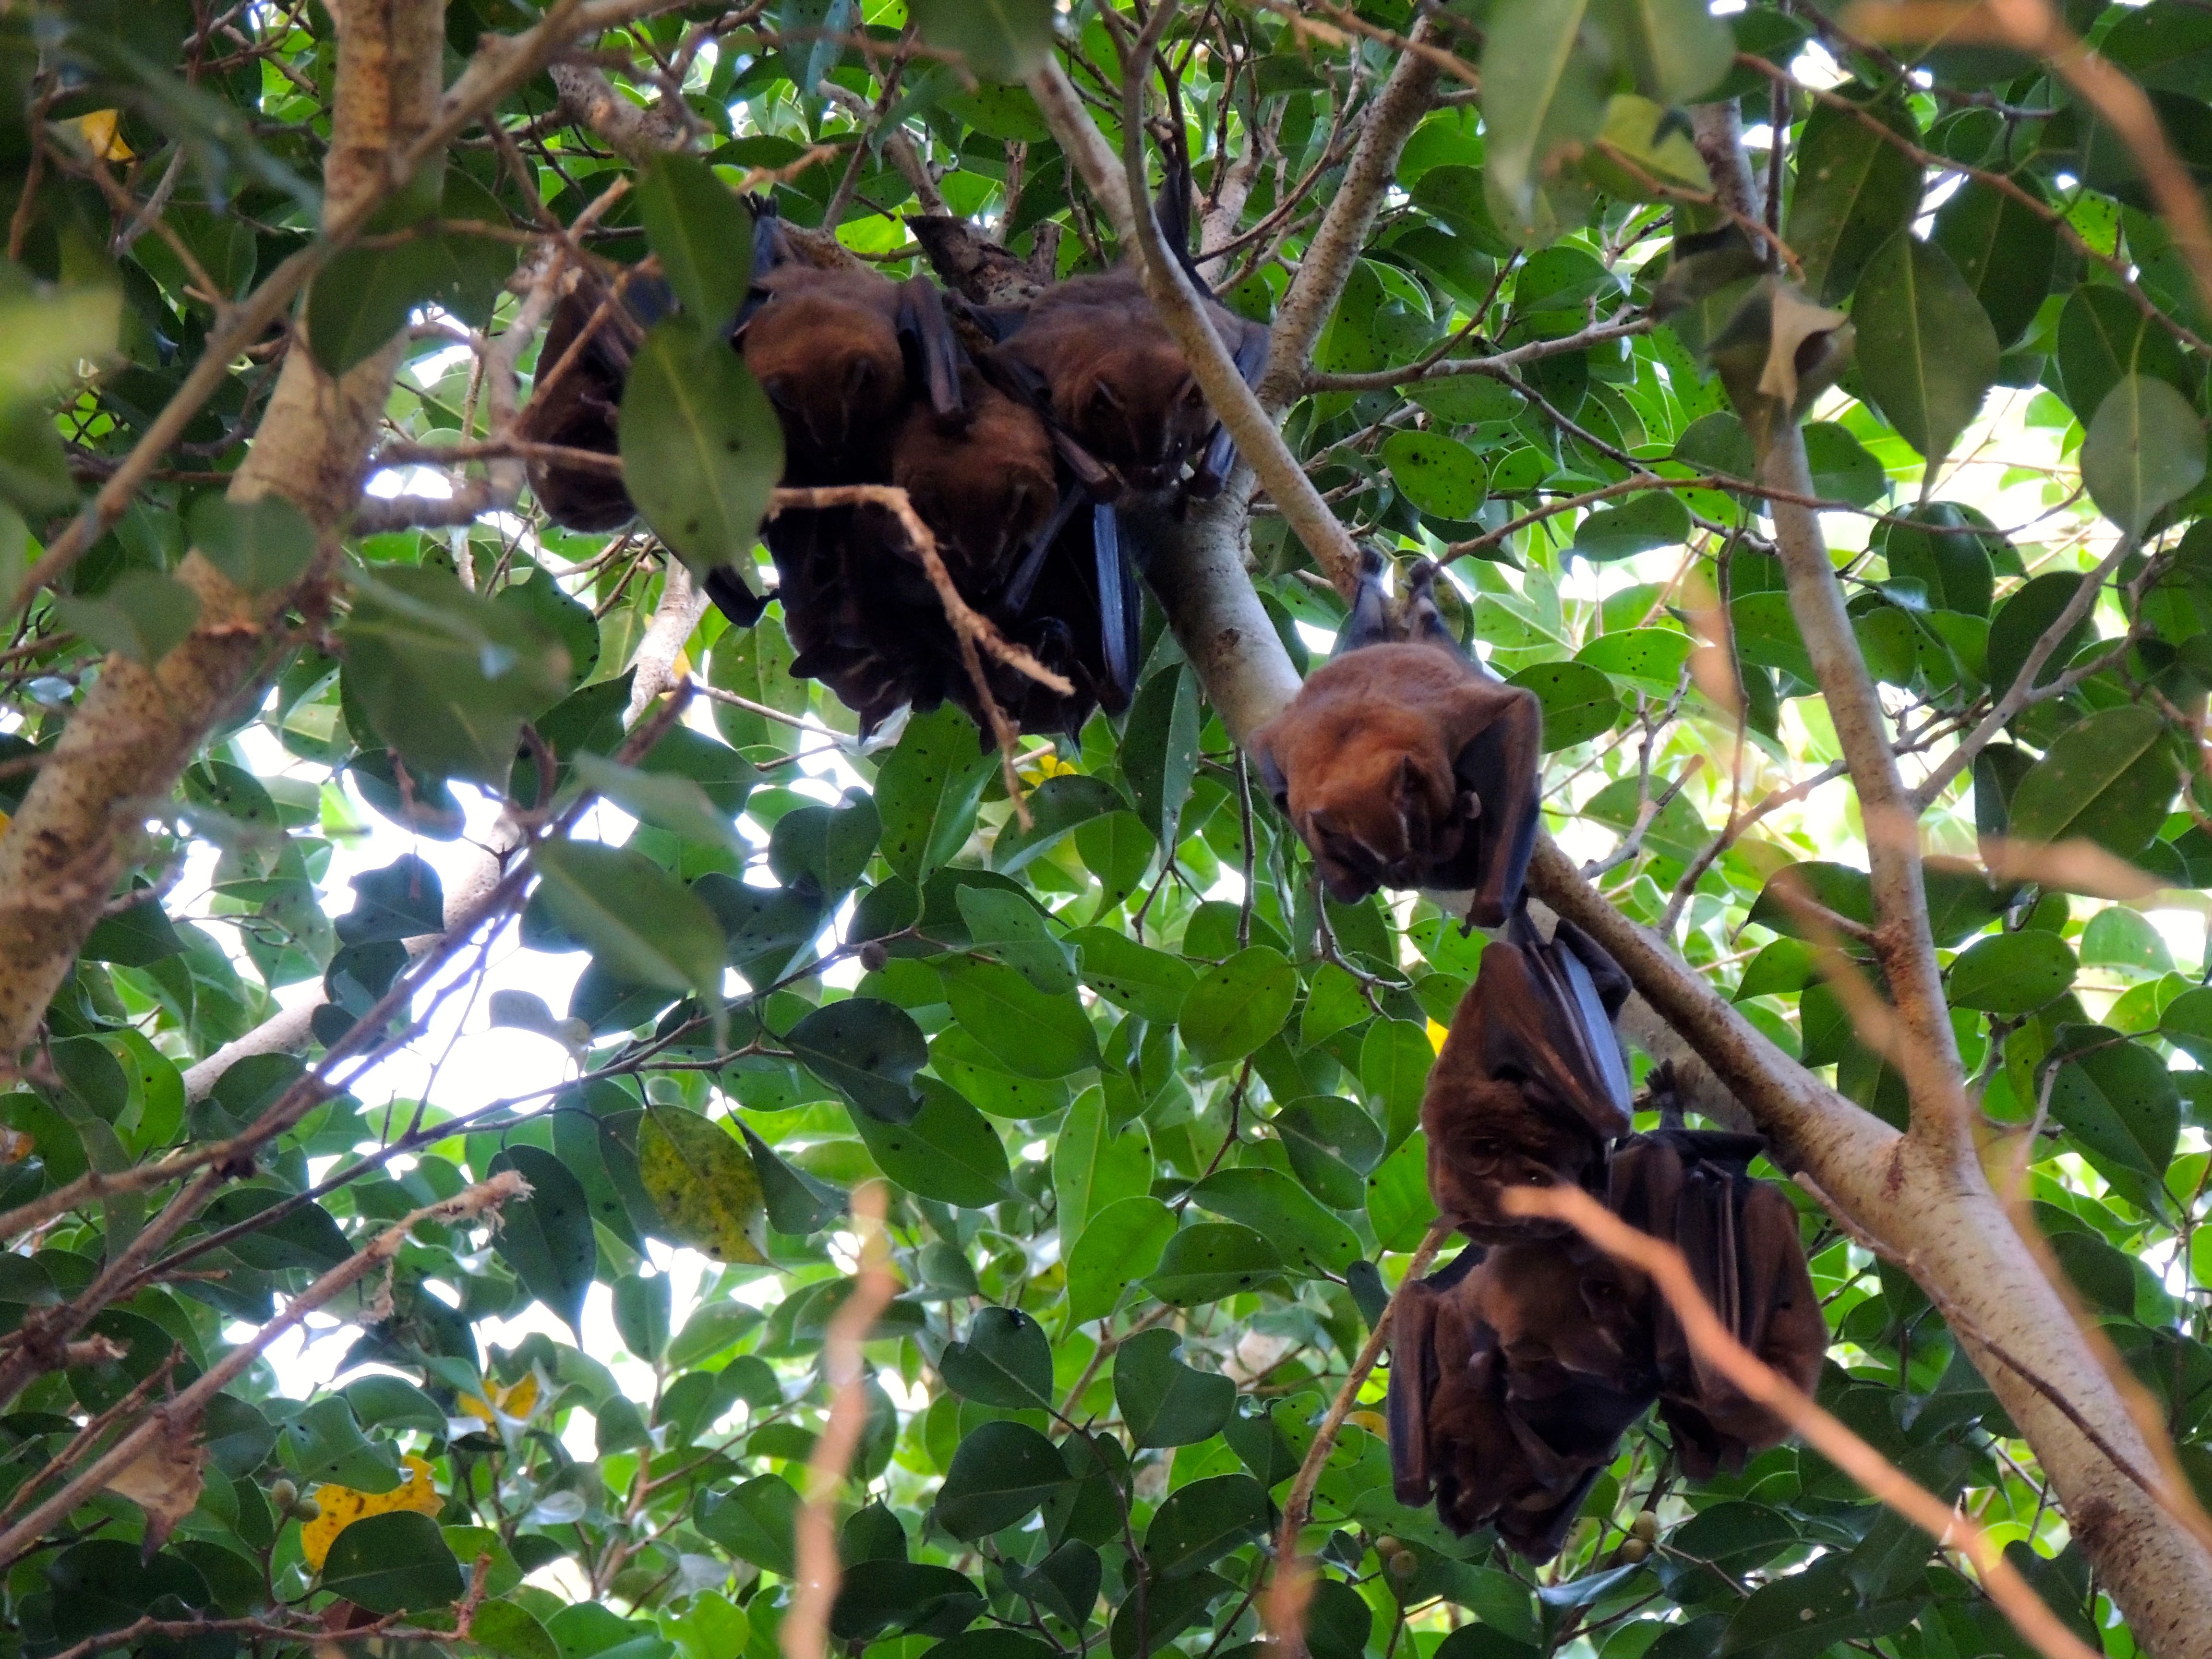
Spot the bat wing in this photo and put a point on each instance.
(1248, 348)
(1119, 609)
(1413, 1375)
(1498, 760)
(923, 324)
(1532, 1033)
(1370, 622)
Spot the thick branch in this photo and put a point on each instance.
(1115, 183)
(1329, 257)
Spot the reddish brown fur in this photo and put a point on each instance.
(1119, 384)
(982, 490)
(825, 348)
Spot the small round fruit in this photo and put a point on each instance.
(1635, 1549)
(1404, 1565)
(1386, 1546)
(305, 1509)
(283, 1494)
(1646, 1527)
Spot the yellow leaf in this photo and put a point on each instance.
(518, 1401)
(340, 1506)
(4, 822)
(1370, 1421)
(1437, 1035)
(99, 132)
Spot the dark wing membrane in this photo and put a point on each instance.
(1533, 1035)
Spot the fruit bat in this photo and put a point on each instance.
(1739, 1236)
(1531, 1085)
(578, 411)
(1514, 1372)
(837, 351)
(1403, 763)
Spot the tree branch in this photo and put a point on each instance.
(1333, 249)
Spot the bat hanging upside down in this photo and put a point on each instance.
(1531, 1085)
(1403, 763)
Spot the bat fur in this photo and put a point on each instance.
(1401, 763)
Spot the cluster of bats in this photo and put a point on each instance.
(1515, 1369)
(1020, 435)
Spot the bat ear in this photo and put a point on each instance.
(1102, 396)
(860, 376)
(1189, 394)
(1271, 775)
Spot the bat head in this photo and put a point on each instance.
(834, 370)
(1377, 804)
(983, 491)
(1483, 1137)
(1573, 1308)
(1137, 408)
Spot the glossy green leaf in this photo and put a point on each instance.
(1163, 1401)
(2109, 779)
(2012, 973)
(1001, 1472)
(394, 1562)
(640, 923)
(1579, 701)
(1236, 1007)
(701, 444)
(2145, 449)
(1926, 349)
(1119, 1246)
(1210, 1260)
(701, 235)
(1005, 1360)
(546, 1237)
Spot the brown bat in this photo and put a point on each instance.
(1118, 381)
(1513, 1375)
(1402, 763)
(578, 411)
(985, 485)
(1530, 1085)
(1739, 1236)
(831, 349)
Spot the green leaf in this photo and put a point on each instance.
(1842, 467)
(2012, 973)
(1332, 1145)
(1159, 749)
(1544, 88)
(142, 615)
(665, 799)
(702, 235)
(2127, 940)
(2145, 449)
(2024, 618)
(1032, 1034)
(1675, 49)
(866, 1049)
(1395, 1057)
(1440, 476)
(1118, 1247)
(1001, 1473)
(755, 1523)
(754, 663)
(1204, 1521)
(1118, 849)
(2103, 338)
(2117, 1098)
(365, 295)
(402, 901)
(701, 1179)
(1210, 1260)
(547, 1236)
(1637, 525)
(1926, 350)
(701, 447)
(1311, 1240)
(948, 1151)
(261, 546)
(1093, 1164)
(1006, 1361)
(1135, 978)
(2004, 249)
(903, 1596)
(101, 1585)
(1398, 1206)
(998, 40)
(1056, 807)
(1579, 701)
(1163, 1402)
(395, 1561)
(1010, 929)
(2109, 778)
(445, 678)
(640, 923)
(1856, 192)
(511, 1631)
(797, 1202)
(1236, 1007)
(1943, 552)
(926, 792)
(1651, 657)
(305, 1235)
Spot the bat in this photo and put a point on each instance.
(837, 351)
(1514, 1372)
(578, 411)
(1739, 1236)
(1530, 1085)
(985, 485)
(1403, 763)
